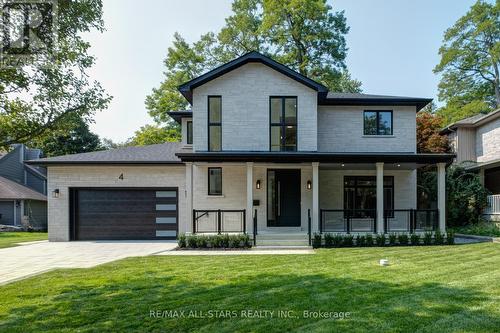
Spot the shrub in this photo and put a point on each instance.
(235, 241)
(415, 239)
(427, 238)
(392, 239)
(215, 241)
(450, 238)
(225, 241)
(338, 240)
(483, 228)
(369, 240)
(192, 241)
(316, 241)
(403, 239)
(348, 240)
(361, 240)
(246, 241)
(181, 241)
(380, 240)
(201, 241)
(438, 238)
(328, 240)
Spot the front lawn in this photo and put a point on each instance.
(425, 289)
(9, 239)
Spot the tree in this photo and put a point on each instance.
(38, 95)
(152, 134)
(470, 58)
(428, 138)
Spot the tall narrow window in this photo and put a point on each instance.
(214, 123)
(189, 132)
(214, 181)
(377, 123)
(283, 123)
(360, 194)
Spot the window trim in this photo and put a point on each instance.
(208, 181)
(356, 186)
(210, 124)
(283, 123)
(189, 132)
(378, 123)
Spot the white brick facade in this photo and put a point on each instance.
(488, 141)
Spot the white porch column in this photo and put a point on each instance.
(441, 198)
(380, 197)
(249, 212)
(315, 202)
(481, 176)
(189, 196)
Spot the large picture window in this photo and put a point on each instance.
(377, 123)
(214, 181)
(283, 123)
(360, 193)
(214, 123)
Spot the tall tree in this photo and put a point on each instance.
(37, 95)
(152, 134)
(470, 60)
(428, 138)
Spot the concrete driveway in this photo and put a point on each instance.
(34, 258)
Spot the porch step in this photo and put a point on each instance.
(282, 236)
(281, 247)
(282, 239)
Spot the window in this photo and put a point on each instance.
(283, 123)
(214, 181)
(360, 193)
(189, 132)
(214, 123)
(378, 123)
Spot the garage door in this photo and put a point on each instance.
(111, 213)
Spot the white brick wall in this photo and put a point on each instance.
(64, 177)
(340, 129)
(245, 95)
(488, 141)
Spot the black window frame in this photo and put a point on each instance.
(378, 122)
(208, 181)
(282, 124)
(211, 124)
(189, 132)
(356, 186)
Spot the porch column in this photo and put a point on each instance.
(380, 197)
(481, 176)
(315, 202)
(441, 198)
(249, 213)
(189, 196)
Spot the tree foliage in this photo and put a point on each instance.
(428, 138)
(38, 95)
(153, 134)
(470, 59)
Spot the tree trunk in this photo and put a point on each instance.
(497, 84)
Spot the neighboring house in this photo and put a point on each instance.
(476, 142)
(23, 189)
(265, 150)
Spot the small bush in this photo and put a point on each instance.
(380, 240)
(415, 239)
(225, 241)
(235, 242)
(348, 240)
(215, 241)
(438, 238)
(427, 238)
(201, 241)
(450, 238)
(392, 239)
(361, 240)
(316, 241)
(403, 239)
(369, 240)
(328, 240)
(192, 241)
(338, 239)
(181, 241)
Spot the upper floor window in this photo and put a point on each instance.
(214, 123)
(378, 123)
(283, 123)
(189, 132)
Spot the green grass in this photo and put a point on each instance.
(480, 229)
(9, 239)
(425, 289)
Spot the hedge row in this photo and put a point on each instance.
(223, 241)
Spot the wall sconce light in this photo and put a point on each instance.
(257, 184)
(309, 185)
(55, 193)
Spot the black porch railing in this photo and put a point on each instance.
(219, 221)
(255, 228)
(347, 220)
(309, 226)
(411, 220)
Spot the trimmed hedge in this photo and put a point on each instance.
(329, 240)
(223, 241)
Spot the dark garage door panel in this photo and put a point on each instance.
(105, 214)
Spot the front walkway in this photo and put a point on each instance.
(34, 258)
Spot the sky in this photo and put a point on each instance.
(393, 47)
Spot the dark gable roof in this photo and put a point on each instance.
(367, 99)
(10, 190)
(153, 154)
(476, 120)
(186, 89)
(178, 115)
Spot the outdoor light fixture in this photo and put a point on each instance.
(343, 165)
(309, 185)
(257, 184)
(399, 165)
(55, 193)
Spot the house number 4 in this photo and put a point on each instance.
(120, 177)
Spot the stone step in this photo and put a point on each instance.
(285, 236)
(282, 242)
(281, 247)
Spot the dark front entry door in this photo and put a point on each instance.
(283, 198)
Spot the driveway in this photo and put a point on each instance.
(37, 257)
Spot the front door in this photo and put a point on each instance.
(283, 198)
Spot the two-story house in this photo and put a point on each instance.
(476, 142)
(266, 151)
